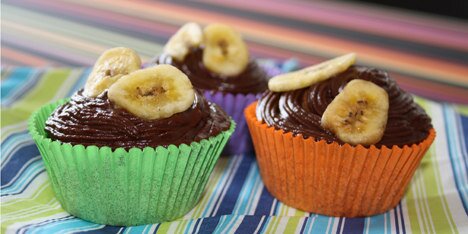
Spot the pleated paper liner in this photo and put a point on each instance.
(120, 187)
(333, 179)
(234, 105)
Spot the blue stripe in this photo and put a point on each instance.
(307, 227)
(17, 161)
(397, 225)
(232, 194)
(34, 167)
(246, 197)
(403, 227)
(11, 142)
(249, 224)
(340, 222)
(16, 77)
(453, 153)
(208, 225)
(189, 225)
(104, 230)
(23, 88)
(377, 223)
(37, 226)
(59, 226)
(219, 186)
(321, 224)
(464, 126)
(28, 182)
(304, 224)
(265, 203)
(354, 225)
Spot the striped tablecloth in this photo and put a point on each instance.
(48, 46)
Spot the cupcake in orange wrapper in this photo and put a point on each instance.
(338, 139)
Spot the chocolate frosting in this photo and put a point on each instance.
(252, 80)
(300, 111)
(97, 121)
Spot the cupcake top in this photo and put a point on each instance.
(152, 107)
(356, 101)
(215, 58)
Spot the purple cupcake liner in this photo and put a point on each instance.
(234, 105)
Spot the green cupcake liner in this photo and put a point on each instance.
(119, 187)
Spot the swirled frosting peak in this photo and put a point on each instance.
(252, 80)
(300, 111)
(97, 121)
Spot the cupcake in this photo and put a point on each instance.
(135, 146)
(217, 61)
(338, 139)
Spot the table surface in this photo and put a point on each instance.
(48, 46)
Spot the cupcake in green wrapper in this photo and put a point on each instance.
(139, 151)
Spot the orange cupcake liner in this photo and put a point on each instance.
(329, 178)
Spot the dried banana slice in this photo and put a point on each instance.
(358, 114)
(153, 93)
(311, 75)
(225, 52)
(111, 66)
(189, 35)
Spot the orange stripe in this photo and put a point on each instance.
(327, 45)
(24, 58)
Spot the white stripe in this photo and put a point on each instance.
(425, 200)
(253, 202)
(281, 226)
(173, 227)
(33, 187)
(229, 180)
(420, 208)
(12, 146)
(331, 227)
(406, 217)
(153, 228)
(367, 227)
(15, 226)
(32, 211)
(62, 91)
(454, 202)
(342, 224)
(89, 228)
(273, 206)
(50, 223)
(20, 185)
(14, 94)
(257, 230)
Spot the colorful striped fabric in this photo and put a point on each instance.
(426, 55)
(48, 46)
(235, 199)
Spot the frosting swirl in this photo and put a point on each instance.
(300, 111)
(97, 121)
(252, 80)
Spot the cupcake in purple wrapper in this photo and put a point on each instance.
(218, 62)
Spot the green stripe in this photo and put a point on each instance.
(292, 224)
(164, 227)
(43, 199)
(461, 109)
(42, 93)
(433, 206)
